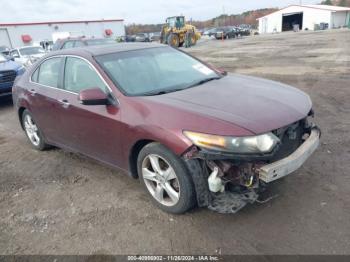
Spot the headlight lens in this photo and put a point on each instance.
(243, 145)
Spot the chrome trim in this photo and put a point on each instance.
(74, 56)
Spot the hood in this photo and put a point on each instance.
(9, 65)
(34, 56)
(255, 104)
(39, 55)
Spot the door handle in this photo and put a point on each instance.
(32, 92)
(64, 102)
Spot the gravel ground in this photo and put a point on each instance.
(56, 202)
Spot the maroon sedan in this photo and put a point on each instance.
(193, 134)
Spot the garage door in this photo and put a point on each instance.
(4, 38)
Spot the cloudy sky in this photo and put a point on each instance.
(133, 11)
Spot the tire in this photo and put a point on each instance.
(193, 39)
(173, 173)
(173, 40)
(33, 132)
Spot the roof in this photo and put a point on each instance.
(320, 7)
(108, 49)
(328, 7)
(62, 22)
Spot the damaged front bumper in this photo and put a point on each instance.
(288, 165)
(243, 180)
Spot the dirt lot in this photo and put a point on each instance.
(56, 202)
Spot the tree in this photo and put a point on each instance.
(343, 3)
(327, 2)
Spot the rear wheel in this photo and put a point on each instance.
(166, 179)
(173, 40)
(33, 132)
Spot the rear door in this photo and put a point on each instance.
(43, 90)
(91, 130)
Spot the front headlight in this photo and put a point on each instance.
(242, 145)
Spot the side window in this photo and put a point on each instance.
(78, 44)
(34, 77)
(68, 44)
(14, 54)
(49, 72)
(79, 75)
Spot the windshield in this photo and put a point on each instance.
(151, 71)
(100, 41)
(32, 50)
(2, 58)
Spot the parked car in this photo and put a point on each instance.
(210, 32)
(4, 50)
(9, 70)
(27, 55)
(225, 33)
(193, 134)
(155, 36)
(81, 42)
(243, 31)
(130, 38)
(142, 37)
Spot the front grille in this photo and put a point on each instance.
(7, 76)
(291, 138)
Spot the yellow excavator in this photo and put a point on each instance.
(176, 33)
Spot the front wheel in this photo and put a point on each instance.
(173, 40)
(166, 179)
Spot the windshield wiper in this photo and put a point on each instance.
(162, 92)
(201, 82)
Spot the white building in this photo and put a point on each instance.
(308, 17)
(20, 34)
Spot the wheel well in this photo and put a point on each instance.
(134, 154)
(20, 113)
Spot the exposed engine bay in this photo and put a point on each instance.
(232, 181)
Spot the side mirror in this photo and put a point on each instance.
(93, 97)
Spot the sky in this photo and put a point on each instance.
(132, 11)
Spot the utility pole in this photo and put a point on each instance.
(223, 12)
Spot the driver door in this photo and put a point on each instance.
(93, 130)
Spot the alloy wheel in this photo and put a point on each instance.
(31, 130)
(161, 180)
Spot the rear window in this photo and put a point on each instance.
(49, 72)
(100, 41)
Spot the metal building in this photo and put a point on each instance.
(21, 34)
(305, 17)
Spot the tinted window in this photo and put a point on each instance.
(68, 44)
(79, 75)
(49, 72)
